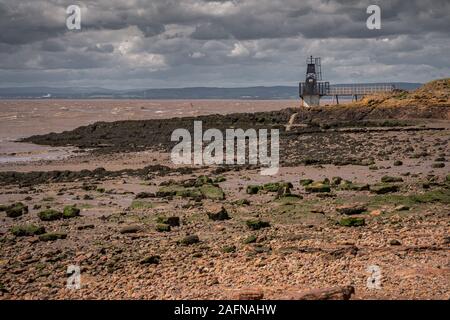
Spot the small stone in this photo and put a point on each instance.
(394, 242)
(151, 260)
(144, 195)
(250, 294)
(219, 215)
(130, 229)
(401, 208)
(376, 212)
(256, 224)
(336, 181)
(86, 226)
(387, 179)
(161, 227)
(398, 163)
(306, 182)
(250, 239)
(229, 249)
(253, 189)
(261, 249)
(171, 221)
(242, 202)
(189, 240)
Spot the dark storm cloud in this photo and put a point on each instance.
(203, 42)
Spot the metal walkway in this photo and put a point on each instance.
(355, 90)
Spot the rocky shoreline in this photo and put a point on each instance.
(353, 192)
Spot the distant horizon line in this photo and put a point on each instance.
(197, 87)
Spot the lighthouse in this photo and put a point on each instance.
(313, 88)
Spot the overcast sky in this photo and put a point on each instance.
(179, 43)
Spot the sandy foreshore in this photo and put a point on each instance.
(379, 196)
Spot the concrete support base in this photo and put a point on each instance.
(311, 101)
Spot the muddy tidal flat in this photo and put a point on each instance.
(90, 183)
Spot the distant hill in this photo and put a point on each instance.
(249, 93)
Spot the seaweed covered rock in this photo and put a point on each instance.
(351, 209)
(306, 182)
(388, 179)
(192, 193)
(155, 259)
(219, 179)
(384, 188)
(27, 230)
(162, 227)
(284, 191)
(212, 192)
(250, 239)
(352, 222)
(276, 186)
(50, 215)
(242, 202)
(189, 240)
(317, 187)
(202, 180)
(350, 186)
(253, 189)
(70, 212)
(229, 249)
(16, 210)
(335, 181)
(144, 195)
(171, 221)
(256, 224)
(169, 190)
(52, 236)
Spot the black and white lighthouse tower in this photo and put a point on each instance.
(313, 88)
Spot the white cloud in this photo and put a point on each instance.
(239, 50)
(197, 55)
